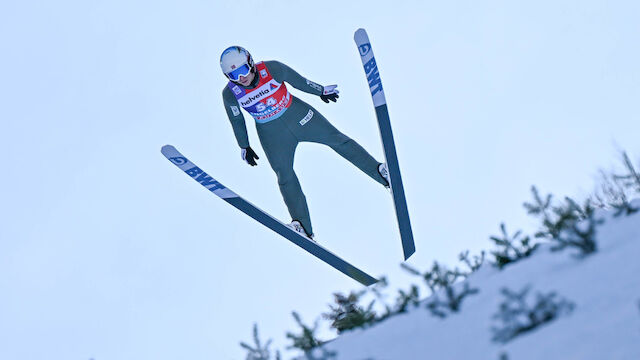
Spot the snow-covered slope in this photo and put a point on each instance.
(604, 324)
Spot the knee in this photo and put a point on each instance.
(285, 176)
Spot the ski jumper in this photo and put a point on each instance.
(283, 121)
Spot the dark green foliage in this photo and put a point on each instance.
(440, 278)
(554, 219)
(632, 179)
(614, 189)
(516, 316)
(540, 208)
(509, 251)
(406, 299)
(258, 351)
(452, 301)
(347, 314)
(306, 340)
(568, 225)
(580, 234)
(403, 301)
(474, 264)
(612, 194)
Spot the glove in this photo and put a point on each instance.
(330, 93)
(249, 156)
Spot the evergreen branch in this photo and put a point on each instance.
(348, 314)
(507, 252)
(258, 351)
(516, 316)
(474, 264)
(633, 178)
(305, 341)
(612, 194)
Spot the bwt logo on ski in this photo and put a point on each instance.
(364, 49)
(373, 76)
(178, 160)
(204, 179)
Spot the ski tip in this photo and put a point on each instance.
(359, 35)
(167, 148)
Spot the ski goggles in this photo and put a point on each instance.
(243, 70)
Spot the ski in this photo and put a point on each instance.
(262, 217)
(382, 113)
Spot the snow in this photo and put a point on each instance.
(605, 323)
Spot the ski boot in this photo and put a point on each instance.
(296, 226)
(384, 172)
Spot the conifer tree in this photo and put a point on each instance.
(632, 179)
(509, 251)
(258, 351)
(554, 219)
(474, 264)
(305, 341)
(517, 316)
(579, 234)
(542, 209)
(612, 194)
(406, 299)
(440, 278)
(568, 225)
(347, 314)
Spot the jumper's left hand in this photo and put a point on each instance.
(330, 93)
(249, 156)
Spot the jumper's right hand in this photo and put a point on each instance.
(249, 156)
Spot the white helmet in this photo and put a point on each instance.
(236, 61)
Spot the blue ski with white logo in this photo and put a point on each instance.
(262, 217)
(382, 113)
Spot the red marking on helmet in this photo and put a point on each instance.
(233, 67)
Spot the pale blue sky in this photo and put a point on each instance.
(107, 251)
